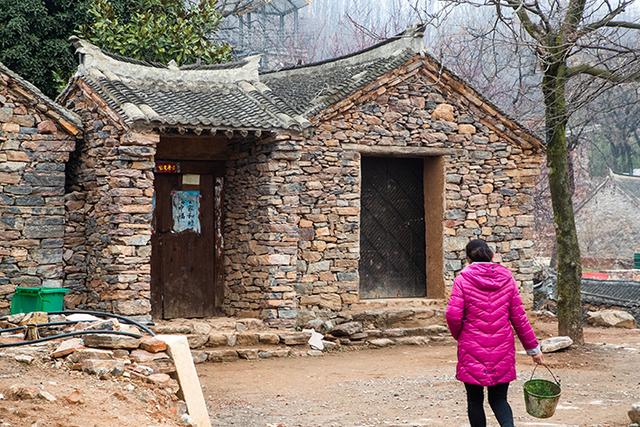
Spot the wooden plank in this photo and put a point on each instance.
(178, 349)
(395, 151)
(434, 190)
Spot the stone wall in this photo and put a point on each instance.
(489, 183)
(33, 151)
(262, 198)
(109, 207)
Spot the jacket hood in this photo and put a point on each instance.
(487, 275)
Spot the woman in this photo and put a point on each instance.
(484, 305)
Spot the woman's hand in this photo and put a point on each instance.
(538, 358)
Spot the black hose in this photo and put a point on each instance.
(68, 334)
(103, 314)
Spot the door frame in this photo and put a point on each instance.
(217, 170)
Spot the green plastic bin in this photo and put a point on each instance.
(636, 261)
(27, 300)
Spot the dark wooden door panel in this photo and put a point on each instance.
(186, 252)
(392, 228)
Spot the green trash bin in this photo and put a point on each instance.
(27, 300)
(636, 260)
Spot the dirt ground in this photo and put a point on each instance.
(101, 403)
(397, 386)
(415, 386)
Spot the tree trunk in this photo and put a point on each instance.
(569, 267)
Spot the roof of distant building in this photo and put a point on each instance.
(628, 184)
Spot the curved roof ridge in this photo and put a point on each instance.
(411, 38)
(94, 58)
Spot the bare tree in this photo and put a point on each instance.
(583, 47)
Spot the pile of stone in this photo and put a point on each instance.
(100, 354)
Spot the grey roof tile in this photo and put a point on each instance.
(227, 96)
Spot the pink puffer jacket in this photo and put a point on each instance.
(484, 304)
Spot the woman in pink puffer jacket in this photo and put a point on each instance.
(484, 305)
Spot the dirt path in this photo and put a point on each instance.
(415, 386)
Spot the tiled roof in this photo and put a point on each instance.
(630, 185)
(311, 88)
(614, 292)
(226, 96)
(41, 97)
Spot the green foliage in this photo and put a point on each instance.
(34, 39)
(158, 30)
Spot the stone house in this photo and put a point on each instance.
(36, 137)
(310, 192)
(608, 223)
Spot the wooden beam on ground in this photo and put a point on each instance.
(395, 151)
(178, 348)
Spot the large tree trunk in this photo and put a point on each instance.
(569, 268)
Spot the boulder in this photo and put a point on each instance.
(611, 318)
(555, 344)
(634, 413)
(347, 329)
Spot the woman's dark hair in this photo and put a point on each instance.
(478, 251)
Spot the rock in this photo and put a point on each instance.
(197, 341)
(43, 394)
(24, 358)
(227, 355)
(270, 338)
(89, 353)
(153, 345)
(248, 353)
(121, 354)
(556, 343)
(47, 126)
(381, 342)
(347, 329)
(247, 339)
(329, 345)
(143, 356)
(67, 347)
(101, 325)
(611, 318)
(159, 379)
(359, 336)
(102, 368)
(199, 357)
(443, 112)
(412, 340)
(20, 392)
(267, 354)
(634, 413)
(34, 318)
(314, 353)
(295, 338)
(218, 340)
(111, 341)
(74, 397)
(436, 329)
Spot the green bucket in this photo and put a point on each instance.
(541, 396)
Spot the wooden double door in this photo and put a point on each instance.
(186, 260)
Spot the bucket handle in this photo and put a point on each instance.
(536, 367)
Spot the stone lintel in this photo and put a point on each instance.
(396, 151)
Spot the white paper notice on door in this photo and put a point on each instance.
(185, 206)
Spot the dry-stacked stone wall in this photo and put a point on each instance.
(35, 142)
(489, 182)
(262, 200)
(109, 206)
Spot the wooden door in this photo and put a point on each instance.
(186, 265)
(392, 228)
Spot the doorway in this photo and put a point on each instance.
(186, 259)
(392, 228)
